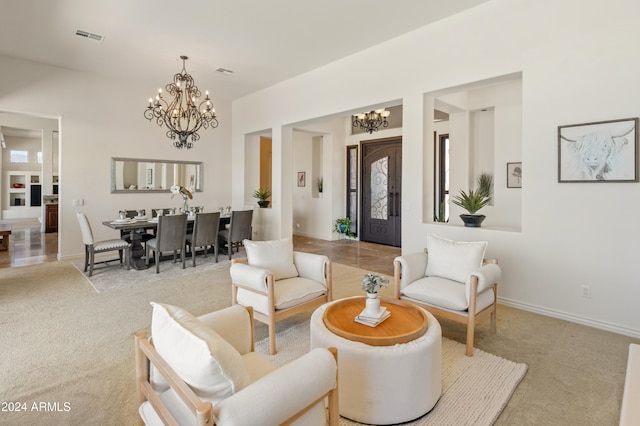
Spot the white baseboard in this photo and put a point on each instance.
(614, 328)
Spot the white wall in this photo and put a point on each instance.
(100, 119)
(579, 63)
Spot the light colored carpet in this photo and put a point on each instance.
(474, 389)
(64, 343)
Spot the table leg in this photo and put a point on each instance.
(137, 251)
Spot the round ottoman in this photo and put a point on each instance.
(384, 384)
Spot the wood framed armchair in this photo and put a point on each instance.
(204, 371)
(278, 282)
(451, 280)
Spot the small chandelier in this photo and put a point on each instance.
(371, 121)
(184, 115)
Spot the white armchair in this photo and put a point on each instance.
(278, 282)
(451, 280)
(204, 371)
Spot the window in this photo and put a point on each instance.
(19, 156)
(39, 157)
(442, 181)
(352, 186)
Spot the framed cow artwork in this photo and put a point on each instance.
(603, 151)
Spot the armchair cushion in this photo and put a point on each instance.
(275, 255)
(453, 260)
(287, 293)
(445, 293)
(204, 360)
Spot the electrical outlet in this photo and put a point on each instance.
(586, 291)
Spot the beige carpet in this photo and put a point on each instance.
(474, 389)
(69, 349)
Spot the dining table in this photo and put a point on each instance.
(137, 226)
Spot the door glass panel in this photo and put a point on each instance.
(379, 188)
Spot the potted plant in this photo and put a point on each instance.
(343, 226)
(371, 283)
(474, 200)
(320, 187)
(263, 197)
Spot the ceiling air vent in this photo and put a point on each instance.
(90, 36)
(224, 71)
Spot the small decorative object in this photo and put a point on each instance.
(320, 185)
(159, 212)
(474, 200)
(122, 215)
(371, 283)
(603, 151)
(186, 196)
(514, 175)
(302, 179)
(343, 226)
(263, 197)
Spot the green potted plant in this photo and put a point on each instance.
(320, 186)
(474, 200)
(343, 226)
(262, 194)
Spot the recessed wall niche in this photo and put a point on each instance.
(481, 124)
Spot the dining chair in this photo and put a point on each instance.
(239, 230)
(170, 236)
(205, 234)
(154, 212)
(92, 247)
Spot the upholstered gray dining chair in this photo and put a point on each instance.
(92, 247)
(170, 236)
(239, 230)
(205, 234)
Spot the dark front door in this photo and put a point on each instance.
(382, 192)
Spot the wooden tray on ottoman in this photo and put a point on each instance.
(406, 323)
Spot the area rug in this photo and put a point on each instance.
(475, 389)
(112, 275)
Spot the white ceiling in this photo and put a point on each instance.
(262, 41)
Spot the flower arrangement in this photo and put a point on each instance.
(186, 196)
(183, 191)
(371, 283)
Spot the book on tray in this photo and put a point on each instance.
(367, 318)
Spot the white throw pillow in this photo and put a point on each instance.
(274, 255)
(203, 359)
(453, 260)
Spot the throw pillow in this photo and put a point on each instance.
(274, 255)
(202, 359)
(453, 260)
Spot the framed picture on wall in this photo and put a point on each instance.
(302, 178)
(603, 151)
(514, 175)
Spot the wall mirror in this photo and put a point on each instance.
(133, 175)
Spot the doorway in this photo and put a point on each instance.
(382, 192)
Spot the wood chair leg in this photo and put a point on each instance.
(470, 336)
(272, 336)
(91, 260)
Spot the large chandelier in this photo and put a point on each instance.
(184, 114)
(371, 121)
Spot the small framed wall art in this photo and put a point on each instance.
(603, 151)
(302, 179)
(514, 175)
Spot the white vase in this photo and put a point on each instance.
(372, 304)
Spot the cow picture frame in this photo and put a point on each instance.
(602, 151)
